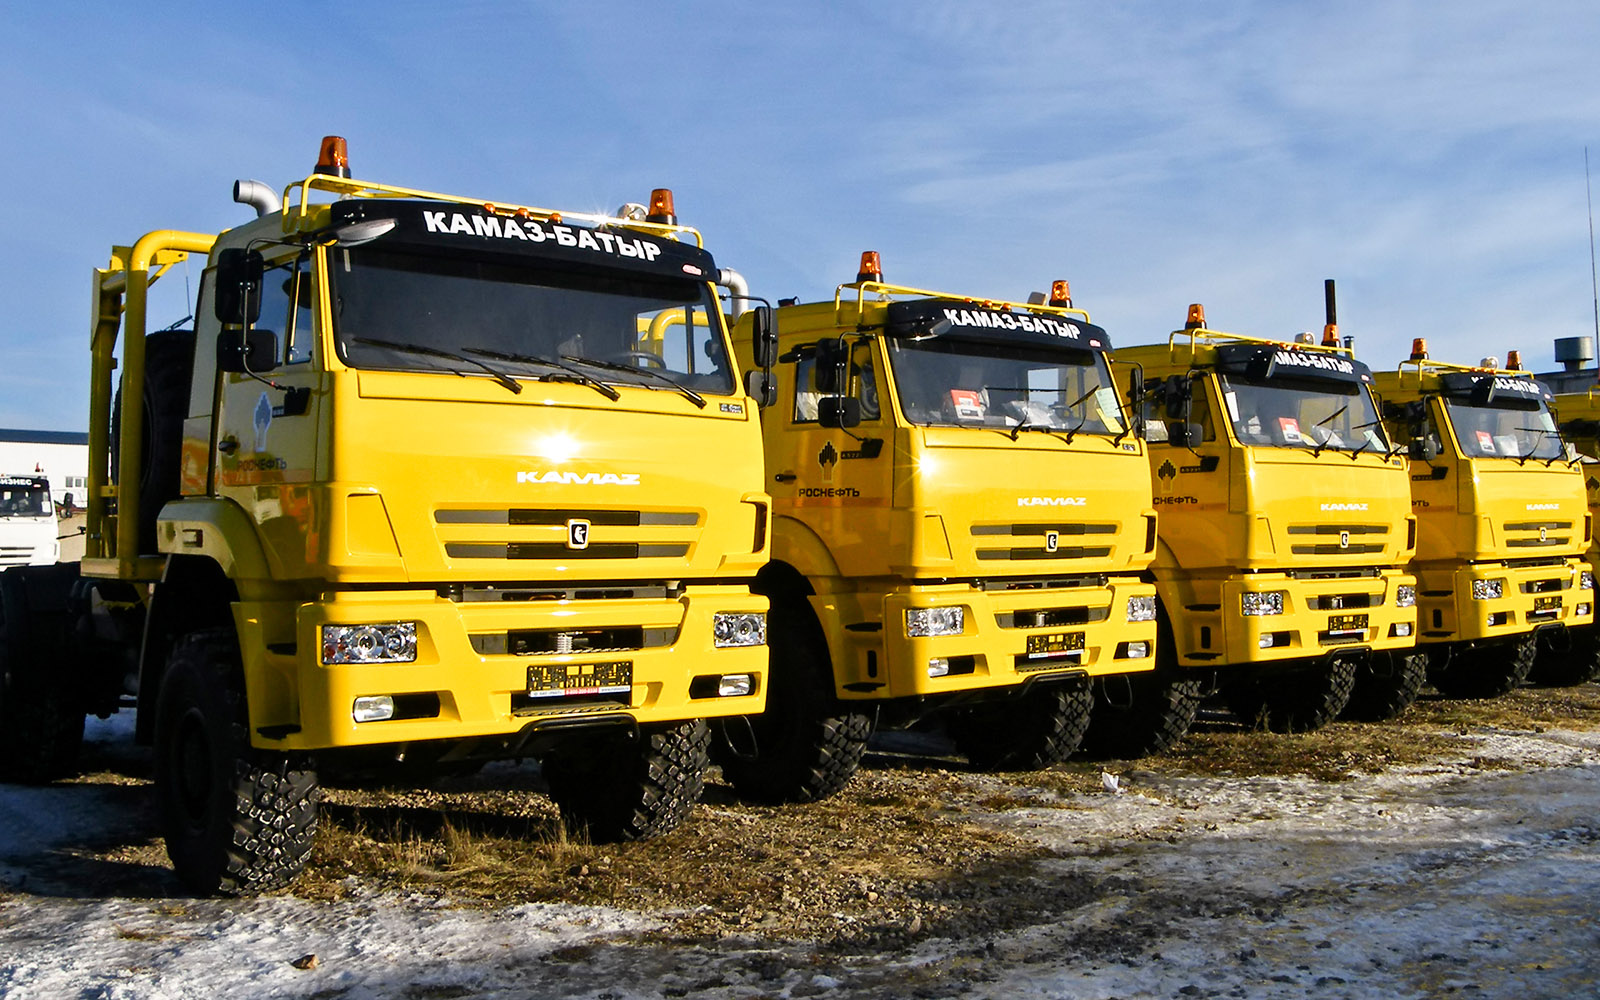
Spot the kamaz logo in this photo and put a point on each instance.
(1052, 541)
(577, 534)
(1344, 506)
(581, 478)
(1544, 506)
(1052, 501)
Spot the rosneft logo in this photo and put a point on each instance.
(1166, 471)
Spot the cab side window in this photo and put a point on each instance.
(286, 310)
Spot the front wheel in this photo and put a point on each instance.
(806, 745)
(1386, 685)
(1042, 727)
(616, 788)
(1485, 671)
(1578, 663)
(1136, 715)
(236, 820)
(1294, 700)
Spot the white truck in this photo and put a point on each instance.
(27, 522)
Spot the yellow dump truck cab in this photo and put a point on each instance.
(1578, 417)
(961, 529)
(431, 481)
(1502, 524)
(1284, 527)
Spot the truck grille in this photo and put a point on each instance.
(1041, 541)
(1337, 539)
(1537, 534)
(566, 533)
(15, 555)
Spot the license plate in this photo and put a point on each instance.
(1347, 623)
(572, 680)
(1551, 603)
(1054, 643)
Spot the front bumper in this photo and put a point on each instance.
(1530, 597)
(470, 680)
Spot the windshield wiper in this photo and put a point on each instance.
(1317, 449)
(529, 359)
(435, 352)
(685, 391)
(1071, 432)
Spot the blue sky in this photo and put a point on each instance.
(1428, 156)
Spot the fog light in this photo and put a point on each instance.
(392, 642)
(1401, 629)
(924, 622)
(743, 629)
(938, 667)
(1586, 580)
(1488, 590)
(1267, 603)
(1581, 610)
(1142, 609)
(373, 708)
(1266, 641)
(735, 686)
(1405, 596)
(1138, 650)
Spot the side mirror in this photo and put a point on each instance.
(830, 371)
(1177, 393)
(759, 386)
(764, 336)
(838, 411)
(1193, 434)
(253, 350)
(1423, 449)
(238, 292)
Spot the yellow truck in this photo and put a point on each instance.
(961, 531)
(1502, 524)
(1284, 527)
(433, 480)
(1578, 416)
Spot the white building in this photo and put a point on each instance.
(62, 456)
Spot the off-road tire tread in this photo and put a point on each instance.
(1294, 701)
(1379, 697)
(1030, 733)
(1162, 710)
(272, 820)
(612, 790)
(41, 720)
(1486, 671)
(1578, 664)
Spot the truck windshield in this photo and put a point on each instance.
(1505, 432)
(948, 382)
(24, 500)
(1303, 415)
(408, 311)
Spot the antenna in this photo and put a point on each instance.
(1592, 282)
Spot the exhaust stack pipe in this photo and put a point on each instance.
(258, 196)
(738, 288)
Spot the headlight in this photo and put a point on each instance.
(394, 642)
(1267, 603)
(1586, 580)
(1405, 596)
(1488, 590)
(1141, 609)
(922, 622)
(743, 629)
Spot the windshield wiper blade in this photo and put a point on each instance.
(530, 359)
(685, 391)
(435, 352)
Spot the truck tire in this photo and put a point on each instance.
(1487, 671)
(1386, 685)
(806, 745)
(236, 820)
(1136, 715)
(614, 788)
(1578, 664)
(41, 716)
(168, 370)
(1042, 727)
(1293, 700)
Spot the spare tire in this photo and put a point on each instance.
(168, 371)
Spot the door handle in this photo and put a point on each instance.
(228, 445)
(785, 477)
